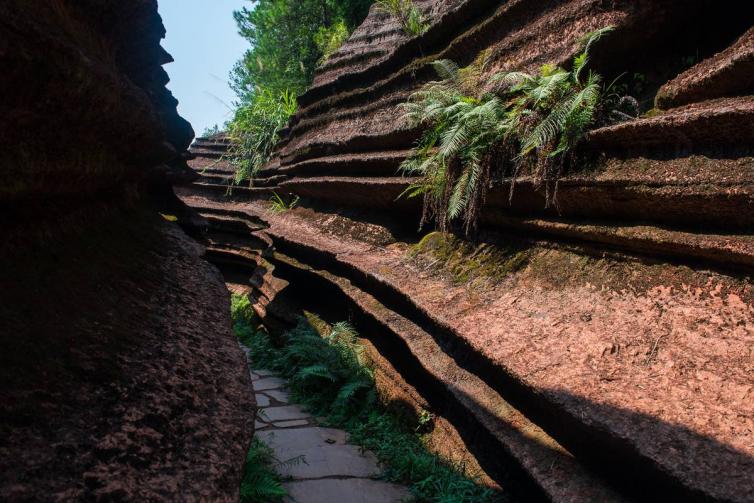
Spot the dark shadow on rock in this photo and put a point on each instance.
(119, 374)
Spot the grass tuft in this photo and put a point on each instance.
(280, 205)
(408, 15)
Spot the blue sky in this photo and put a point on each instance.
(202, 37)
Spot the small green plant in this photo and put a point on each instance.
(330, 39)
(279, 205)
(424, 421)
(511, 122)
(260, 482)
(211, 131)
(240, 309)
(409, 16)
(255, 131)
(328, 373)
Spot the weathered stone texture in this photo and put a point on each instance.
(614, 361)
(120, 376)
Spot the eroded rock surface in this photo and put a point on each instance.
(610, 360)
(120, 376)
(118, 381)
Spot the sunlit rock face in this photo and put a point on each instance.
(120, 378)
(609, 357)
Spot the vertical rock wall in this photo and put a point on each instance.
(120, 378)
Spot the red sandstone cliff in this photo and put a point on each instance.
(613, 360)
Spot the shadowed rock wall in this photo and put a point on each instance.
(611, 360)
(120, 378)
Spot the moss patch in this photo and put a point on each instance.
(466, 262)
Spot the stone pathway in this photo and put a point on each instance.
(319, 464)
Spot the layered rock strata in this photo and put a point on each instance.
(610, 357)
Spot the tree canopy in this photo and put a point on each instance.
(288, 39)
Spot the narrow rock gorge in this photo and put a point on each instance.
(599, 349)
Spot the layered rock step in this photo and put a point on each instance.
(613, 347)
(212, 161)
(727, 73)
(599, 424)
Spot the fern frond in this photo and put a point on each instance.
(446, 69)
(342, 331)
(548, 86)
(511, 80)
(457, 201)
(588, 40)
(579, 63)
(317, 371)
(350, 390)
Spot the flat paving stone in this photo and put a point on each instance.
(344, 491)
(291, 424)
(330, 461)
(319, 463)
(262, 400)
(254, 377)
(268, 383)
(284, 413)
(279, 395)
(288, 443)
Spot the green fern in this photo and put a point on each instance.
(350, 402)
(515, 118)
(315, 373)
(260, 482)
(350, 391)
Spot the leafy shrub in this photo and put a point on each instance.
(255, 131)
(330, 39)
(287, 40)
(512, 121)
(410, 18)
(282, 36)
(211, 131)
(240, 309)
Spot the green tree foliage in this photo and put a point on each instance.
(526, 121)
(288, 39)
(255, 129)
(283, 35)
(329, 39)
